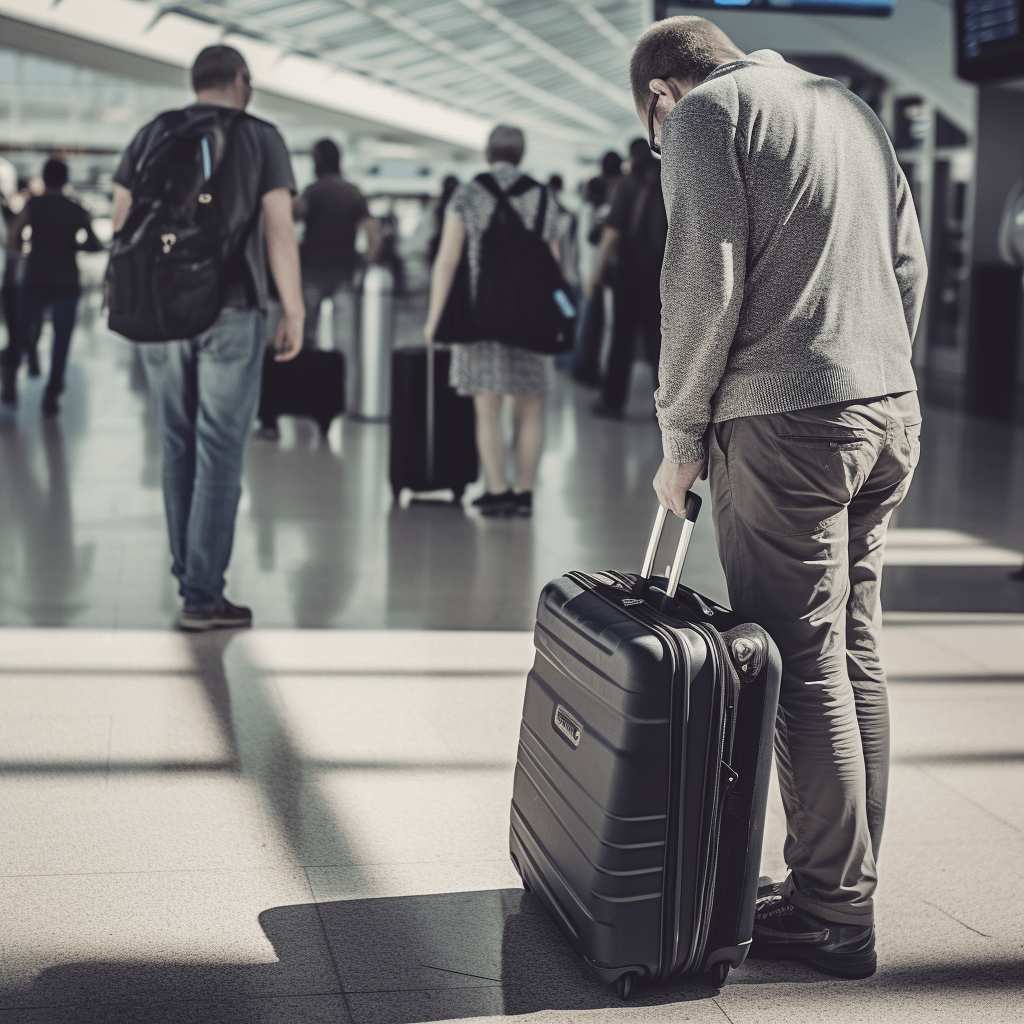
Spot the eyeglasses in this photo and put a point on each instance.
(655, 148)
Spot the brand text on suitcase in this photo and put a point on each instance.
(567, 726)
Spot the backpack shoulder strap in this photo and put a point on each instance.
(519, 187)
(491, 185)
(523, 185)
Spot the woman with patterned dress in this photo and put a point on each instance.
(491, 371)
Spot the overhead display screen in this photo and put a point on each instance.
(875, 8)
(990, 41)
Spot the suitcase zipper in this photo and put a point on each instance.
(725, 739)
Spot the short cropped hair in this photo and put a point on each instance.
(216, 67)
(506, 144)
(687, 48)
(55, 173)
(326, 157)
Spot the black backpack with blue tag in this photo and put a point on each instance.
(165, 280)
(521, 298)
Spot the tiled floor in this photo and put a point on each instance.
(289, 826)
(308, 822)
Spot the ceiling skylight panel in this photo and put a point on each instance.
(341, 21)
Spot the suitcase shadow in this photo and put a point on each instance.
(467, 954)
(409, 959)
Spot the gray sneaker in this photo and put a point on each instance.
(225, 616)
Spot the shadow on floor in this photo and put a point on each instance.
(380, 961)
(408, 959)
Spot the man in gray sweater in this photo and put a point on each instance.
(792, 285)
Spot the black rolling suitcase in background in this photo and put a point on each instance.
(312, 384)
(433, 444)
(642, 775)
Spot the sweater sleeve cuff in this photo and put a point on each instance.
(680, 449)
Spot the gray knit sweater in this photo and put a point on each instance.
(794, 271)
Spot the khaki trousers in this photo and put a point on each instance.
(801, 505)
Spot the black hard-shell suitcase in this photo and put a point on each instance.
(642, 775)
(433, 445)
(312, 384)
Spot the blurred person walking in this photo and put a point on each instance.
(567, 235)
(333, 210)
(633, 242)
(10, 206)
(567, 239)
(598, 196)
(491, 371)
(793, 284)
(206, 388)
(56, 228)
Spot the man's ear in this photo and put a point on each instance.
(660, 86)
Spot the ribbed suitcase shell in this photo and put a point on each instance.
(624, 820)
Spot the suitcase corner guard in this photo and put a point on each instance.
(734, 955)
(610, 975)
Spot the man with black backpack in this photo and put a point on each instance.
(634, 235)
(202, 204)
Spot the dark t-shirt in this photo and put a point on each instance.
(255, 163)
(638, 214)
(55, 220)
(334, 210)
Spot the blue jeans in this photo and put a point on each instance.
(63, 310)
(205, 391)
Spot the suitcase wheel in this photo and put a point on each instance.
(625, 985)
(718, 973)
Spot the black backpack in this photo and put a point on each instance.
(165, 279)
(522, 299)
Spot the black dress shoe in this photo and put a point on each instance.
(785, 932)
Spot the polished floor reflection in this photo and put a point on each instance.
(320, 543)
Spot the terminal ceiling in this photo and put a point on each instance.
(557, 66)
(449, 69)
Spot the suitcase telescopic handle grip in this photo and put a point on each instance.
(691, 511)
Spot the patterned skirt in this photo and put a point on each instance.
(493, 368)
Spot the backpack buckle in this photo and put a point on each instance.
(168, 241)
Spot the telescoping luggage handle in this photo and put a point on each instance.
(691, 510)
